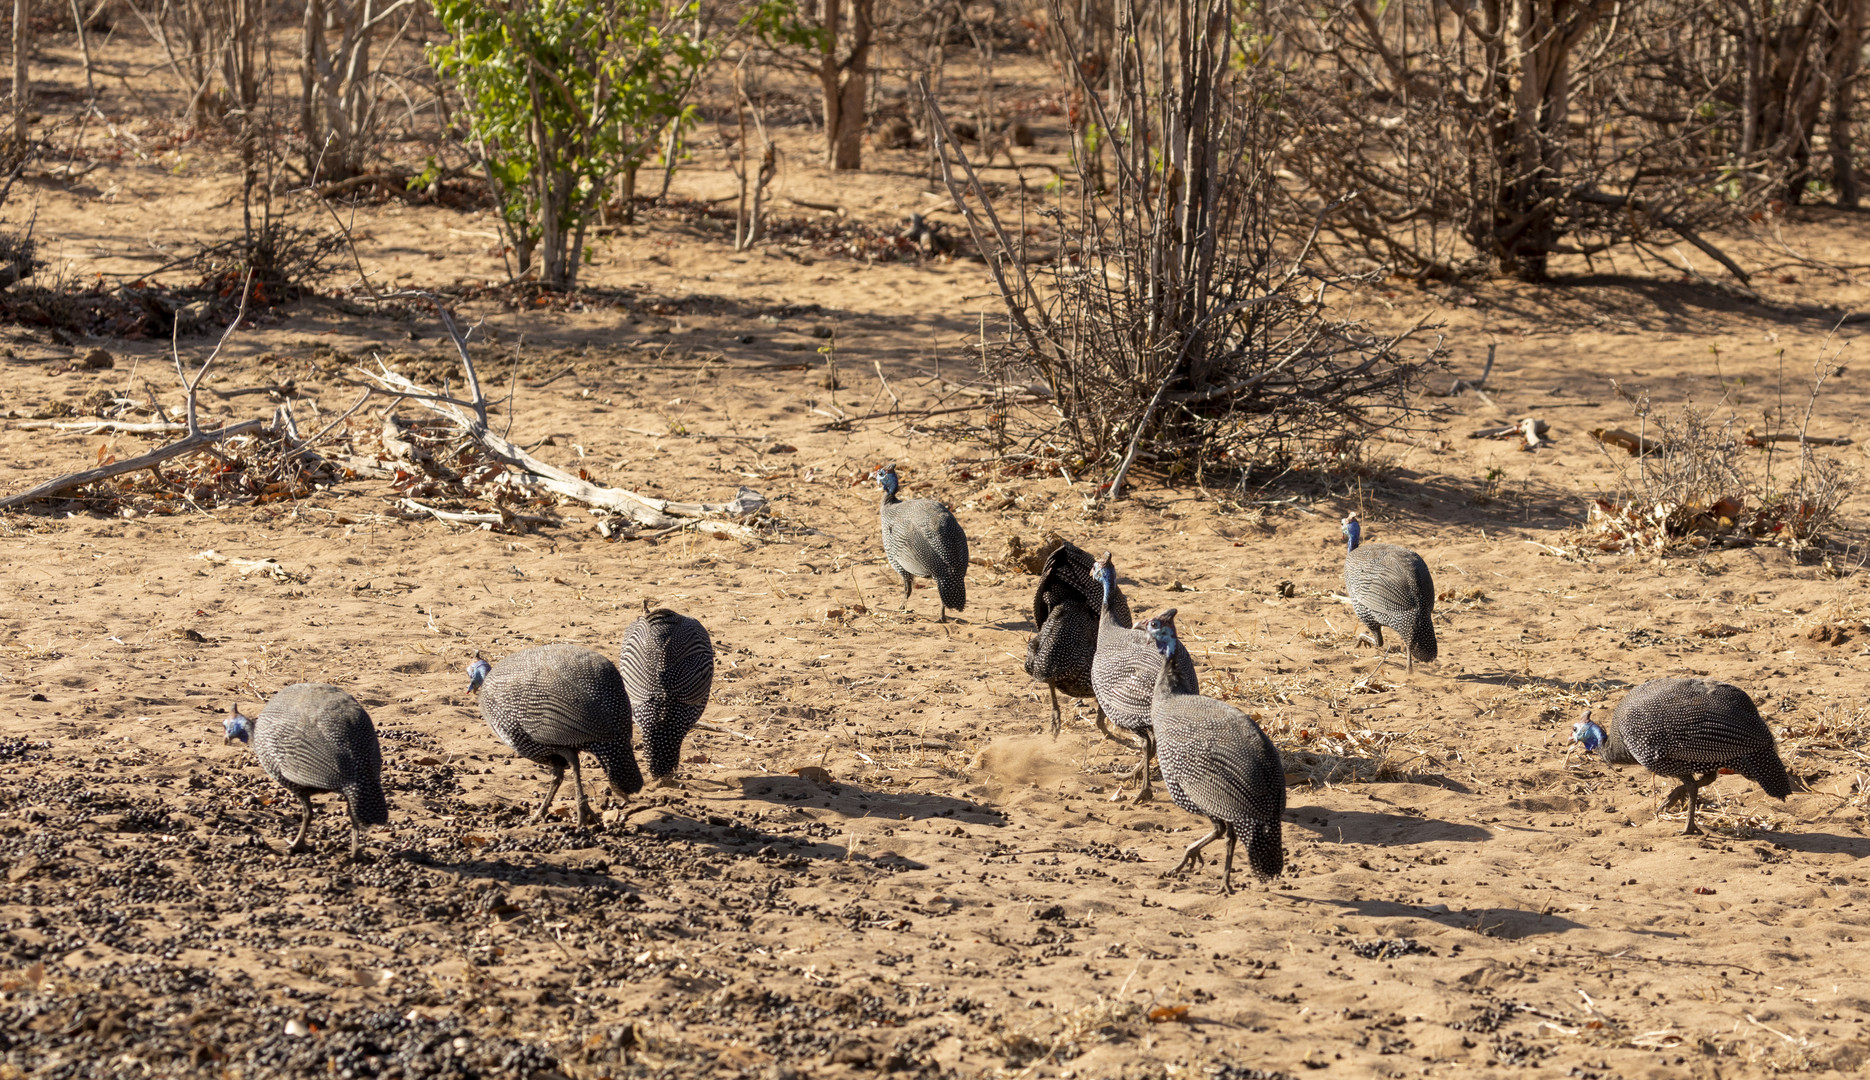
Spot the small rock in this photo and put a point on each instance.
(297, 1028)
(98, 360)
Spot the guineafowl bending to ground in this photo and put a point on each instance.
(1216, 762)
(668, 669)
(922, 539)
(314, 738)
(550, 702)
(1692, 730)
(1390, 586)
(1123, 668)
(1065, 609)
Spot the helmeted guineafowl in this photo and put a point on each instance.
(1390, 586)
(922, 539)
(1216, 762)
(550, 702)
(1123, 669)
(313, 738)
(668, 669)
(1065, 609)
(1691, 730)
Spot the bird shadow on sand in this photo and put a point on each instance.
(1509, 924)
(1384, 830)
(853, 801)
(1856, 847)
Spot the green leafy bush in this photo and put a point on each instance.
(564, 97)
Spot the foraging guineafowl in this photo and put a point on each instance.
(921, 538)
(1390, 586)
(550, 702)
(1124, 668)
(314, 738)
(1065, 609)
(1217, 763)
(668, 669)
(1692, 730)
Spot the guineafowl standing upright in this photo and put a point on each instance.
(314, 738)
(1390, 586)
(1065, 609)
(1123, 669)
(1216, 762)
(668, 669)
(921, 538)
(549, 703)
(1691, 730)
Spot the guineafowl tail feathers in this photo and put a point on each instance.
(1266, 849)
(953, 591)
(619, 764)
(366, 801)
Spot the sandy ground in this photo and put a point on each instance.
(969, 896)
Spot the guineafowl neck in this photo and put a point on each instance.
(1165, 678)
(1613, 751)
(889, 497)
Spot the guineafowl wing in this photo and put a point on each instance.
(1067, 575)
(1062, 651)
(556, 697)
(316, 736)
(1228, 768)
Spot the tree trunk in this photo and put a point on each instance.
(844, 81)
(22, 46)
(1847, 57)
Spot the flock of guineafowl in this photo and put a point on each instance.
(553, 702)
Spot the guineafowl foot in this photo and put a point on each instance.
(1148, 794)
(1678, 797)
(298, 847)
(1103, 725)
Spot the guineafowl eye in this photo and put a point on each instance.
(236, 727)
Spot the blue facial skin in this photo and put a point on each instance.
(886, 479)
(1587, 734)
(236, 727)
(1353, 529)
(1161, 630)
(477, 673)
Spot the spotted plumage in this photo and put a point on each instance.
(551, 702)
(314, 738)
(922, 539)
(668, 669)
(1065, 609)
(1216, 762)
(1691, 730)
(1390, 586)
(1124, 667)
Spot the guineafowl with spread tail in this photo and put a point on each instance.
(1216, 762)
(1390, 586)
(1065, 608)
(922, 539)
(1691, 730)
(314, 738)
(1123, 669)
(552, 702)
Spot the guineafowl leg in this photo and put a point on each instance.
(1058, 717)
(1103, 725)
(585, 817)
(557, 765)
(1149, 751)
(909, 587)
(1227, 864)
(357, 840)
(1192, 857)
(305, 823)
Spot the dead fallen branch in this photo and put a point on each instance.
(1791, 437)
(1634, 443)
(95, 427)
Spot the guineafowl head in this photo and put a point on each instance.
(1161, 630)
(1353, 529)
(478, 672)
(1587, 733)
(886, 479)
(1104, 574)
(236, 726)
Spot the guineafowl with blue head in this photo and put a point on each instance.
(922, 539)
(1216, 762)
(552, 702)
(1690, 730)
(1390, 586)
(1065, 609)
(668, 670)
(314, 738)
(1124, 668)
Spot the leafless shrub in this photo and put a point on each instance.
(1157, 313)
(1699, 480)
